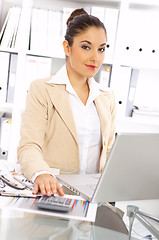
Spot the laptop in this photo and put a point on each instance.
(130, 173)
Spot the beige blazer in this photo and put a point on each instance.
(48, 132)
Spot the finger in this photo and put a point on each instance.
(53, 186)
(42, 188)
(36, 188)
(48, 189)
(60, 190)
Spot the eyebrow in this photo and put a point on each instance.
(103, 44)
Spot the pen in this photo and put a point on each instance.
(23, 183)
(14, 194)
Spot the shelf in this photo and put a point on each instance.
(79, 3)
(9, 50)
(144, 4)
(140, 65)
(6, 107)
(42, 54)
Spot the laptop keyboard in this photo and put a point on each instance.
(56, 203)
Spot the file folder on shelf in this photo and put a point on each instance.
(4, 65)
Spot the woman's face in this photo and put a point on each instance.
(87, 52)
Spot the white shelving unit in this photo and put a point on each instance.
(126, 53)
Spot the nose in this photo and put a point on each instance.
(94, 56)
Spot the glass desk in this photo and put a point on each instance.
(18, 225)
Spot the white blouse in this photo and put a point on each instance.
(88, 128)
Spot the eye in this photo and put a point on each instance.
(86, 47)
(102, 49)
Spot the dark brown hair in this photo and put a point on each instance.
(80, 21)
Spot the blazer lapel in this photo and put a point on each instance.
(60, 100)
(103, 107)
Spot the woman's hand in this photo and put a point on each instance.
(47, 185)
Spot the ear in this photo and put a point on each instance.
(66, 48)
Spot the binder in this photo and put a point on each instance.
(12, 78)
(5, 134)
(10, 27)
(3, 153)
(141, 39)
(105, 74)
(110, 22)
(130, 45)
(66, 14)
(132, 91)
(98, 12)
(55, 37)
(121, 89)
(4, 65)
(42, 34)
(16, 25)
(34, 30)
(35, 67)
(5, 25)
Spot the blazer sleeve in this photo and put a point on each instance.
(33, 128)
(112, 122)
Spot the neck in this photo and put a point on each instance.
(79, 84)
(77, 81)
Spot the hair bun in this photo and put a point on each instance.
(76, 13)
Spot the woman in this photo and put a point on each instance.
(69, 120)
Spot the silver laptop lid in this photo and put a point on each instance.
(132, 169)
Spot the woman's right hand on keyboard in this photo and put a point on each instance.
(47, 185)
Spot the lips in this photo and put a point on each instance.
(93, 67)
